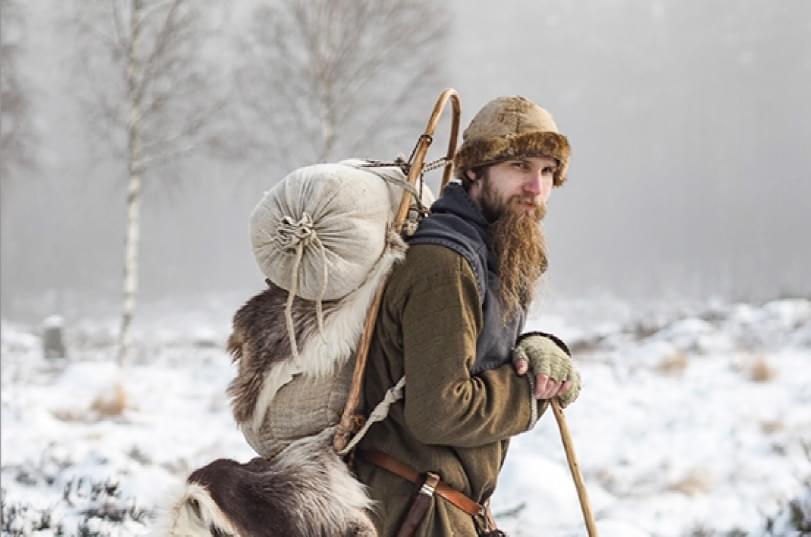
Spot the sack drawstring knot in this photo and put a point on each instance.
(294, 236)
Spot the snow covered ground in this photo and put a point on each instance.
(696, 423)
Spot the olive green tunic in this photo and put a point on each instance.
(449, 421)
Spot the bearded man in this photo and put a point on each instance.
(451, 322)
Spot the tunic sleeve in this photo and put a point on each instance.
(441, 318)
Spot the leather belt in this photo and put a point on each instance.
(390, 464)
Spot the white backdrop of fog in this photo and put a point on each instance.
(689, 121)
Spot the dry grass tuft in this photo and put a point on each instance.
(771, 426)
(696, 482)
(606, 478)
(110, 403)
(761, 371)
(69, 415)
(673, 365)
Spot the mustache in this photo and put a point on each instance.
(518, 202)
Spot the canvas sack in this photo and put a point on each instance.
(322, 234)
(321, 229)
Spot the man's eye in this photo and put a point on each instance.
(549, 170)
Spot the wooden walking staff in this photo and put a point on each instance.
(574, 467)
(351, 421)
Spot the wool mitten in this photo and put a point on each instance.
(545, 356)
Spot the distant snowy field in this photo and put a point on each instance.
(691, 423)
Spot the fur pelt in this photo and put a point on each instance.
(259, 342)
(306, 491)
(530, 144)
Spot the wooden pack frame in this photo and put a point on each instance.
(351, 420)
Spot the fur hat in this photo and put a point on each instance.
(510, 127)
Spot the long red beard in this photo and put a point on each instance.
(517, 239)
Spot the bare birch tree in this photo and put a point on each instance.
(151, 94)
(334, 78)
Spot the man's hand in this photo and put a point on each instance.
(553, 369)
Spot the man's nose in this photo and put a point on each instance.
(534, 184)
(538, 186)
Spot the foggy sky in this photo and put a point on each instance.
(689, 122)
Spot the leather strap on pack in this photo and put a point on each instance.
(399, 469)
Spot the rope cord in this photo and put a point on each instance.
(393, 394)
(405, 167)
(294, 236)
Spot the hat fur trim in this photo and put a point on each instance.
(530, 144)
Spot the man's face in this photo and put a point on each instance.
(512, 196)
(526, 182)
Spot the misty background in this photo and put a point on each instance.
(689, 121)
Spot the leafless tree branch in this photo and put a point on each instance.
(327, 72)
